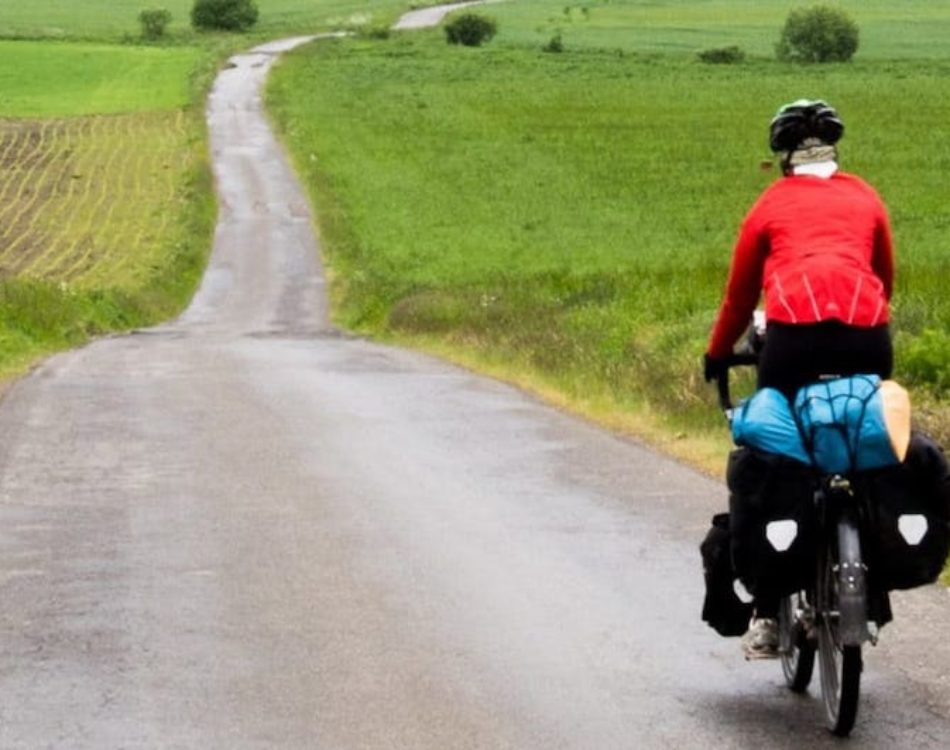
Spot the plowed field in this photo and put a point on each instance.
(86, 200)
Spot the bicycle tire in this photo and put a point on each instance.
(840, 664)
(796, 650)
(840, 669)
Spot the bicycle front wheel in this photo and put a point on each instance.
(840, 682)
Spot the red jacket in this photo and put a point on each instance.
(821, 250)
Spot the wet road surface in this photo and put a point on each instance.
(247, 530)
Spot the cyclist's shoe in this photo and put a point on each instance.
(761, 640)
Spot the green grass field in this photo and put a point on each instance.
(40, 79)
(907, 29)
(568, 219)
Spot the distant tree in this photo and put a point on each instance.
(819, 34)
(225, 15)
(470, 29)
(154, 21)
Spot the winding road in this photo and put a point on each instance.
(246, 529)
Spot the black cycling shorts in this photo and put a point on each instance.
(795, 355)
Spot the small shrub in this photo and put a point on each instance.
(818, 34)
(224, 15)
(376, 32)
(470, 29)
(555, 44)
(154, 21)
(722, 55)
(430, 311)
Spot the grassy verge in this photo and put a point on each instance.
(567, 220)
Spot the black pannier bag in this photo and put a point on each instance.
(772, 521)
(908, 534)
(725, 612)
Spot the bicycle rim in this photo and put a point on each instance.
(840, 683)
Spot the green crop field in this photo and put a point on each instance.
(566, 220)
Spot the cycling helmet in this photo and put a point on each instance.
(801, 120)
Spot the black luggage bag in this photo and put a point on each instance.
(764, 489)
(908, 528)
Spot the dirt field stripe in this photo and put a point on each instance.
(98, 215)
(23, 179)
(72, 232)
(115, 246)
(41, 193)
(157, 176)
(101, 231)
(9, 140)
(14, 207)
(19, 175)
(121, 255)
(56, 217)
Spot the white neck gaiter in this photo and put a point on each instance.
(822, 169)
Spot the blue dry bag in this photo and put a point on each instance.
(765, 422)
(842, 424)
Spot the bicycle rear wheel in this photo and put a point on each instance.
(796, 650)
(840, 663)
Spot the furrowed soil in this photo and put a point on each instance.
(90, 200)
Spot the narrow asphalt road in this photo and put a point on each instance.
(245, 529)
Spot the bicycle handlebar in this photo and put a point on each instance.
(739, 359)
(747, 354)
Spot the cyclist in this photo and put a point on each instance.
(818, 243)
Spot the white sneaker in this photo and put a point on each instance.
(761, 640)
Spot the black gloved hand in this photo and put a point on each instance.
(713, 367)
